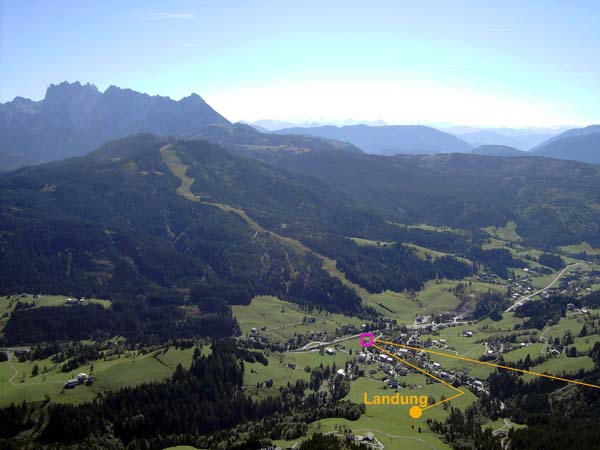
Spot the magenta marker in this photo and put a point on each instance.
(367, 339)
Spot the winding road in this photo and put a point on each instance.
(526, 298)
(10, 380)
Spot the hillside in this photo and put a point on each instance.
(498, 150)
(389, 139)
(577, 147)
(174, 231)
(520, 138)
(246, 139)
(570, 133)
(551, 201)
(146, 212)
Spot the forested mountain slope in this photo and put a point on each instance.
(553, 202)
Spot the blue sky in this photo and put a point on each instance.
(503, 63)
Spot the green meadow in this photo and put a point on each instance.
(505, 233)
(391, 424)
(8, 303)
(582, 247)
(113, 373)
(283, 320)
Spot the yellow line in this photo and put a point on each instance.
(444, 401)
(416, 367)
(423, 371)
(462, 358)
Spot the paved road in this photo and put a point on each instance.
(314, 345)
(451, 323)
(526, 298)
(15, 349)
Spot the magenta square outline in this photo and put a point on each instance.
(368, 343)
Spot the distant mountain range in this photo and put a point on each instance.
(246, 139)
(498, 150)
(580, 144)
(390, 139)
(274, 125)
(519, 138)
(591, 129)
(74, 119)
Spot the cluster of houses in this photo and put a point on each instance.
(444, 321)
(576, 282)
(258, 338)
(82, 378)
(392, 368)
(435, 368)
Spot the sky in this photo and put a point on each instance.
(478, 63)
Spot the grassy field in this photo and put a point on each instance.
(8, 303)
(284, 320)
(505, 233)
(391, 424)
(435, 298)
(440, 229)
(369, 243)
(562, 365)
(583, 247)
(572, 324)
(281, 374)
(128, 370)
(421, 252)
(396, 305)
(424, 253)
(585, 344)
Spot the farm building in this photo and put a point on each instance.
(70, 384)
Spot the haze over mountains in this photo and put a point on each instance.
(522, 139)
(73, 119)
(592, 129)
(390, 139)
(581, 144)
(274, 125)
